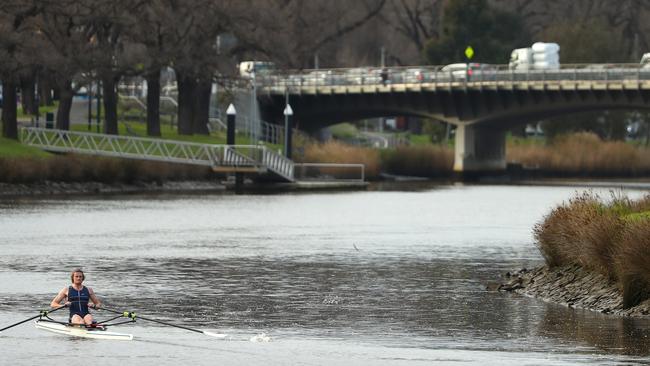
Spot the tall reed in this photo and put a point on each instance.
(77, 168)
(611, 238)
(421, 161)
(583, 154)
(336, 152)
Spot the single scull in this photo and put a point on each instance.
(99, 332)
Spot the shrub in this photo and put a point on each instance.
(612, 239)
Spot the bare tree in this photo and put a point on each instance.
(414, 20)
(291, 32)
(63, 27)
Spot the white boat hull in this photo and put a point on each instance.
(74, 331)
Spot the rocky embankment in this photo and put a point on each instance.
(89, 188)
(572, 286)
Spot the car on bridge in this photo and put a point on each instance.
(414, 76)
(468, 72)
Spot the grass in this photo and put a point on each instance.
(167, 132)
(10, 148)
(20, 113)
(609, 237)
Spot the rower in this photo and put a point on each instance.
(76, 297)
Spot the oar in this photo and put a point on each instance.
(41, 314)
(132, 315)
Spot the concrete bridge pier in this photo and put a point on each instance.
(479, 149)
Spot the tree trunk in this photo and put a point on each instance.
(109, 84)
(202, 107)
(9, 112)
(65, 105)
(28, 92)
(45, 91)
(186, 96)
(153, 103)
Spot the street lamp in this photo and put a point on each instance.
(288, 113)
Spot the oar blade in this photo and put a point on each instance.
(215, 335)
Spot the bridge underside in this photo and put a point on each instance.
(482, 114)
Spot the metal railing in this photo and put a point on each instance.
(475, 73)
(257, 157)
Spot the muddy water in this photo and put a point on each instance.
(368, 278)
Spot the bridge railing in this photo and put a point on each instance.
(476, 73)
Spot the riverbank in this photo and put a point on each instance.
(48, 188)
(574, 287)
(597, 254)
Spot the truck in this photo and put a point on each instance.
(521, 59)
(540, 56)
(248, 68)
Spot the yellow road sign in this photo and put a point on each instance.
(469, 52)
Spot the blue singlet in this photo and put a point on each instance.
(78, 301)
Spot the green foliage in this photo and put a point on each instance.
(592, 41)
(435, 130)
(344, 131)
(638, 216)
(491, 33)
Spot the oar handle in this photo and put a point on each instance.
(41, 314)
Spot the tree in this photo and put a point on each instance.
(292, 32)
(14, 53)
(414, 20)
(491, 32)
(592, 41)
(65, 50)
(112, 54)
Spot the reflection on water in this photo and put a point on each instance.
(622, 335)
(364, 277)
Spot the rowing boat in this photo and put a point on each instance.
(81, 331)
(98, 331)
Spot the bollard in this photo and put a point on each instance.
(49, 120)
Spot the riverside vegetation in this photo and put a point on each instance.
(611, 239)
(575, 155)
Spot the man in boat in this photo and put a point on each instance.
(76, 297)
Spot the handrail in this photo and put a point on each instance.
(255, 156)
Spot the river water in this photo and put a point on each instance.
(380, 277)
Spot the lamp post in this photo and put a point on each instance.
(288, 114)
(231, 112)
(251, 117)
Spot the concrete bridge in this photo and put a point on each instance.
(484, 103)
